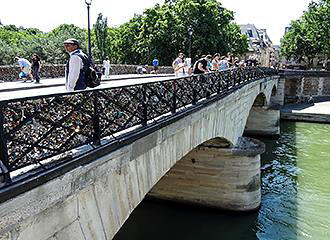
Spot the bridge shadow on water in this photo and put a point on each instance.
(275, 220)
(161, 220)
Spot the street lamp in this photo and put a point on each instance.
(88, 3)
(190, 32)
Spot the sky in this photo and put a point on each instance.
(274, 15)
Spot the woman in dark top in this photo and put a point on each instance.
(35, 68)
(200, 66)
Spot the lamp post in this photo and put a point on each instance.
(88, 3)
(190, 32)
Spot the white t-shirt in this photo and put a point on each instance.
(106, 63)
(25, 64)
(75, 65)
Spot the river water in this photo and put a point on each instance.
(295, 198)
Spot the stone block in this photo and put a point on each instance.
(32, 203)
(47, 223)
(72, 232)
(89, 215)
(111, 196)
(88, 174)
(5, 236)
(143, 145)
(132, 184)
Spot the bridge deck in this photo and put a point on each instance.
(56, 85)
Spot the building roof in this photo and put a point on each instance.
(250, 30)
(257, 37)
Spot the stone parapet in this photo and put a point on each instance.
(305, 86)
(10, 73)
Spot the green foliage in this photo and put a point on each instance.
(49, 46)
(55, 52)
(162, 32)
(101, 36)
(309, 35)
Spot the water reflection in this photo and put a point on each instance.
(295, 198)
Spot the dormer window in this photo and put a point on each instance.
(249, 33)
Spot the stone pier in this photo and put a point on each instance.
(263, 121)
(216, 175)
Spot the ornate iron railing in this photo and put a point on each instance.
(34, 129)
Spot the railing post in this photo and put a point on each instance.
(144, 105)
(194, 93)
(96, 120)
(4, 160)
(223, 83)
(174, 97)
(207, 84)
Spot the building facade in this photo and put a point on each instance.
(260, 46)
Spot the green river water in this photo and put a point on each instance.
(295, 198)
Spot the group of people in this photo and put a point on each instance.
(74, 71)
(207, 63)
(29, 70)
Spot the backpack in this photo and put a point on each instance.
(91, 73)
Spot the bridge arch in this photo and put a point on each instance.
(260, 100)
(274, 91)
(263, 118)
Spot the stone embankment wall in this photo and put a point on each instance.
(10, 73)
(303, 86)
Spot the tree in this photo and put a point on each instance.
(55, 52)
(161, 32)
(308, 36)
(101, 36)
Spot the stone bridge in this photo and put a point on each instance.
(200, 158)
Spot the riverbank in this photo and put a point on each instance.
(307, 112)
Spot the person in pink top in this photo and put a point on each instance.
(215, 64)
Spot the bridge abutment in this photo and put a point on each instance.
(213, 176)
(263, 122)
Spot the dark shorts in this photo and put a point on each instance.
(155, 67)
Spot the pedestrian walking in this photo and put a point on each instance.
(35, 68)
(74, 74)
(106, 66)
(25, 67)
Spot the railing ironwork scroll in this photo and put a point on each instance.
(38, 128)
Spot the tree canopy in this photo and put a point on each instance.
(160, 32)
(309, 36)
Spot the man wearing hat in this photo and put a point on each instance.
(74, 74)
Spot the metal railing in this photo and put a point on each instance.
(34, 129)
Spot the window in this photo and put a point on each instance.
(249, 32)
